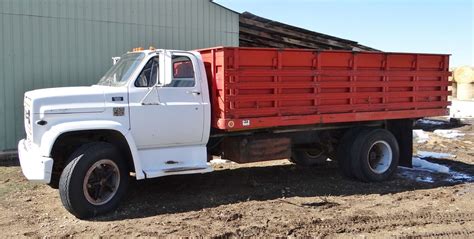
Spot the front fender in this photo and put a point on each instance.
(49, 138)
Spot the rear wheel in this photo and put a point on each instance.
(94, 180)
(375, 155)
(343, 154)
(308, 157)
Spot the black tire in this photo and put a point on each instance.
(76, 194)
(375, 155)
(343, 154)
(308, 157)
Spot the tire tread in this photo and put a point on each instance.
(65, 178)
(344, 152)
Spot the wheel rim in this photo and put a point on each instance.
(101, 182)
(380, 157)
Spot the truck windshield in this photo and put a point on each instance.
(119, 74)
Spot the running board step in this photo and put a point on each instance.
(182, 169)
(178, 171)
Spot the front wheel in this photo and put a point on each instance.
(94, 180)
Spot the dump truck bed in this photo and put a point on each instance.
(255, 88)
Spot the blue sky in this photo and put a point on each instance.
(425, 26)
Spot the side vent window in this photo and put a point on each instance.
(149, 75)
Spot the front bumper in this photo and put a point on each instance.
(36, 168)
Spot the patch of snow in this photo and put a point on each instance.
(461, 177)
(431, 122)
(449, 134)
(416, 175)
(420, 136)
(432, 167)
(425, 154)
(461, 108)
(423, 170)
(220, 161)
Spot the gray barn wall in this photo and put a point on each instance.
(53, 43)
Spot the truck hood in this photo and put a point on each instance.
(66, 100)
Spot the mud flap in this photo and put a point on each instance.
(403, 131)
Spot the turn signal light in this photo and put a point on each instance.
(42, 122)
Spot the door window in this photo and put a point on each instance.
(149, 75)
(183, 72)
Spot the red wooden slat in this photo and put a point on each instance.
(326, 84)
(332, 73)
(327, 96)
(247, 113)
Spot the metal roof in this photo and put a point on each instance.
(257, 31)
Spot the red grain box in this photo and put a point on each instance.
(255, 88)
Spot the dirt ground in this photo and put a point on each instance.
(265, 199)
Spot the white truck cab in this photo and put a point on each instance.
(149, 115)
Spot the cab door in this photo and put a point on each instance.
(181, 112)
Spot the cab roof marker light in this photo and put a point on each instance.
(137, 49)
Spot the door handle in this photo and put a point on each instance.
(194, 92)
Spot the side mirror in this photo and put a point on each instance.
(115, 60)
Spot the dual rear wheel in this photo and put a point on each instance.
(369, 155)
(366, 154)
